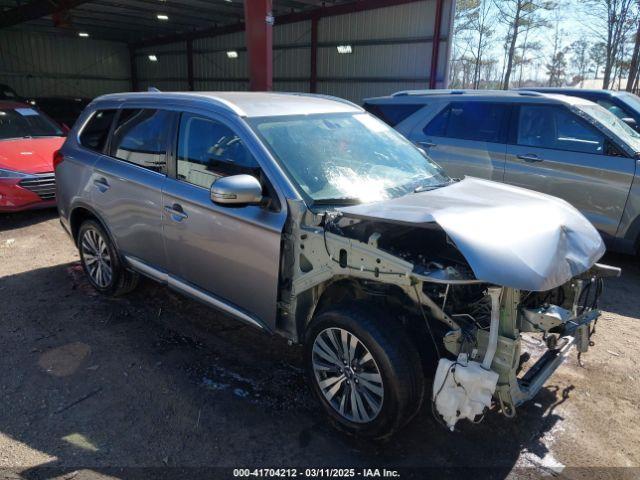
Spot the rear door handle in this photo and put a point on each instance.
(176, 212)
(102, 184)
(530, 157)
(427, 144)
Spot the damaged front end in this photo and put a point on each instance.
(488, 355)
(478, 287)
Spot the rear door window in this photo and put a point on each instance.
(555, 127)
(476, 121)
(95, 133)
(393, 114)
(141, 137)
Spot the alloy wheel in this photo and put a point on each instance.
(97, 260)
(347, 375)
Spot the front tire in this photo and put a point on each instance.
(364, 370)
(101, 261)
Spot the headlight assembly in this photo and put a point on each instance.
(4, 173)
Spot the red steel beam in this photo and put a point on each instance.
(258, 19)
(342, 9)
(435, 46)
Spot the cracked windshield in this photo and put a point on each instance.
(347, 158)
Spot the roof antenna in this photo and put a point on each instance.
(153, 89)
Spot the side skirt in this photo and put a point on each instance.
(195, 293)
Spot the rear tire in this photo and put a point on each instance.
(364, 370)
(101, 262)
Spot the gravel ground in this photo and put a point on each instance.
(93, 387)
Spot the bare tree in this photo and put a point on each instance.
(490, 73)
(557, 64)
(519, 14)
(598, 54)
(465, 12)
(580, 59)
(482, 24)
(633, 66)
(557, 68)
(523, 55)
(525, 59)
(613, 19)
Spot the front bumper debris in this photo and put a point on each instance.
(562, 326)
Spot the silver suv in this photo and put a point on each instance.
(307, 217)
(564, 146)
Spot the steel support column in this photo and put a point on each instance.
(133, 68)
(190, 81)
(313, 68)
(435, 47)
(258, 19)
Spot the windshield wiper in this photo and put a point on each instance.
(336, 201)
(426, 188)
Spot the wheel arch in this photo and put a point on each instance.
(339, 291)
(82, 212)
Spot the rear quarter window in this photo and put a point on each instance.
(140, 137)
(393, 114)
(95, 133)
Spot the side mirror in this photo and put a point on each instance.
(236, 190)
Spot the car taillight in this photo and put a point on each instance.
(58, 157)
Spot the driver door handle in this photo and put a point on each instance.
(176, 212)
(530, 157)
(427, 144)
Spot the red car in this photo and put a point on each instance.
(28, 140)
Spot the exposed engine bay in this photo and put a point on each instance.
(475, 325)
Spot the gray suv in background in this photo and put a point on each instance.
(306, 217)
(564, 146)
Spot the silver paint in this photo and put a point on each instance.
(510, 236)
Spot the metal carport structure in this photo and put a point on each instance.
(290, 45)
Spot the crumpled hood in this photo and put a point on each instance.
(510, 236)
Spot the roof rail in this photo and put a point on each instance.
(328, 97)
(529, 93)
(404, 93)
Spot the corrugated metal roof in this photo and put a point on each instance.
(133, 21)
